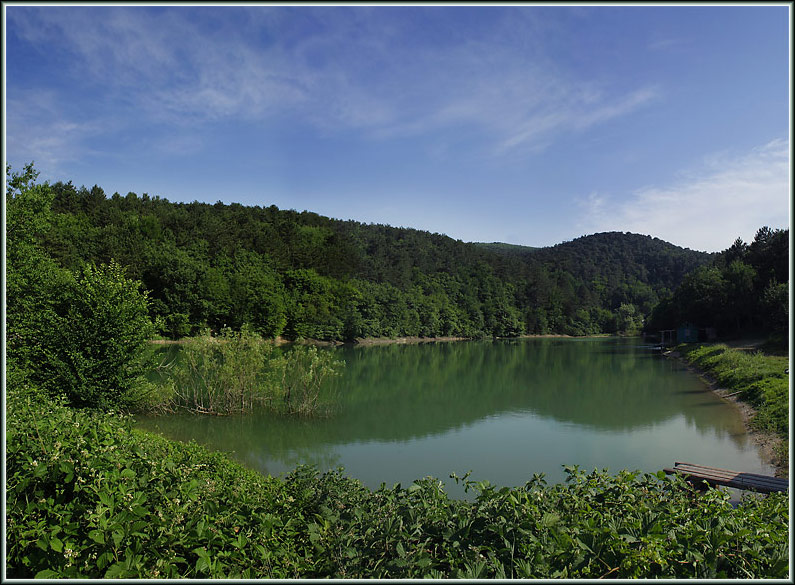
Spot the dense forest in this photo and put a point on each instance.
(302, 275)
(745, 290)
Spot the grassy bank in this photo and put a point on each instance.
(89, 496)
(754, 377)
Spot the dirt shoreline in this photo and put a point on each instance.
(766, 442)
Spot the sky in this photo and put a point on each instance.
(524, 124)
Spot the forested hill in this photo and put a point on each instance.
(613, 258)
(305, 275)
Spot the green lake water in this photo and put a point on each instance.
(503, 409)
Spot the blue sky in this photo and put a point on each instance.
(523, 124)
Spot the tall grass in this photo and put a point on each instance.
(301, 376)
(237, 372)
(222, 375)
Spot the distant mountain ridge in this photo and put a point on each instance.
(503, 248)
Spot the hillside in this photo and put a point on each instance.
(306, 275)
(611, 261)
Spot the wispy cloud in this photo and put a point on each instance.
(40, 130)
(707, 208)
(366, 70)
(575, 112)
(667, 43)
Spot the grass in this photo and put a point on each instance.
(89, 496)
(759, 378)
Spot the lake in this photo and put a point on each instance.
(502, 409)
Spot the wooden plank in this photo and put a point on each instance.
(727, 473)
(738, 480)
(717, 476)
(737, 477)
(731, 476)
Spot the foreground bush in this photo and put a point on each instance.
(88, 496)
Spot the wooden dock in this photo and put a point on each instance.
(715, 476)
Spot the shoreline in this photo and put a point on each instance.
(368, 341)
(766, 441)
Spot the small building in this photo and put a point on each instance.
(667, 337)
(687, 333)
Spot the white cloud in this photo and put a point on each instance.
(705, 209)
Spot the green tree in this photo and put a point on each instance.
(94, 348)
(702, 297)
(628, 318)
(741, 299)
(31, 275)
(257, 295)
(775, 307)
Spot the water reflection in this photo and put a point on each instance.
(505, 409)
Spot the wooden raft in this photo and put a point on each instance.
(715, 476)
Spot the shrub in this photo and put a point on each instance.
(89, 496)
(94, 340)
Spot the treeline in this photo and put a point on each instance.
(304, 275)
(745, 290)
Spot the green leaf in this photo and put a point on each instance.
(56, 544)
(115, 571)
(628, 538)
(117, 538)
(202, 552)
(549, 519)
(97, 536)
(47, 574)
(104, 559)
